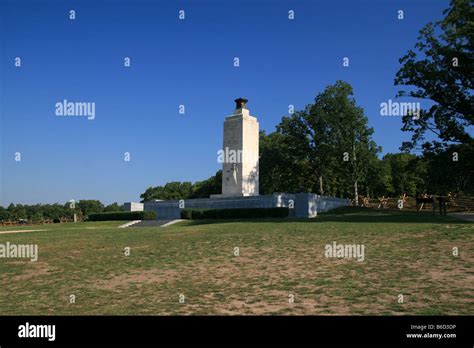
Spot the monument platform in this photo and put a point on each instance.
(301, 205)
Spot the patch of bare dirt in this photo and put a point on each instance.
(34, 269)
(138, 278)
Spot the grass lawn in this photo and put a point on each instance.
(405, 253)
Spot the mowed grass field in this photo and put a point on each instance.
(405, 253)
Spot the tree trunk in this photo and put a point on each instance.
(356, 194)
(321, 190)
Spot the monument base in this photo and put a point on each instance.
(301, 205)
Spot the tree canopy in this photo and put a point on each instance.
(321, 148)
(440, 69)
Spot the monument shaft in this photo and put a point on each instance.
(241, 137)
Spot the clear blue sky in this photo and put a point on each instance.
(177, 62)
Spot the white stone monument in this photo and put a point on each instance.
(240, 166)
(240, 179)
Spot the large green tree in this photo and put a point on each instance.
(342, 139)
(440, 69)
(325, 148)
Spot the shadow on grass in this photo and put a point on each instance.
(350, 215)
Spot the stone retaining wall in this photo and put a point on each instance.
(305, 205)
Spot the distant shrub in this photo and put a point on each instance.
(123, 215)
(238, 213)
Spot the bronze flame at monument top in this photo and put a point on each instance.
(241, 103)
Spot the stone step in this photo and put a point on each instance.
(131, 223)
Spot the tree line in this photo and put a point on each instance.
(55, 212)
